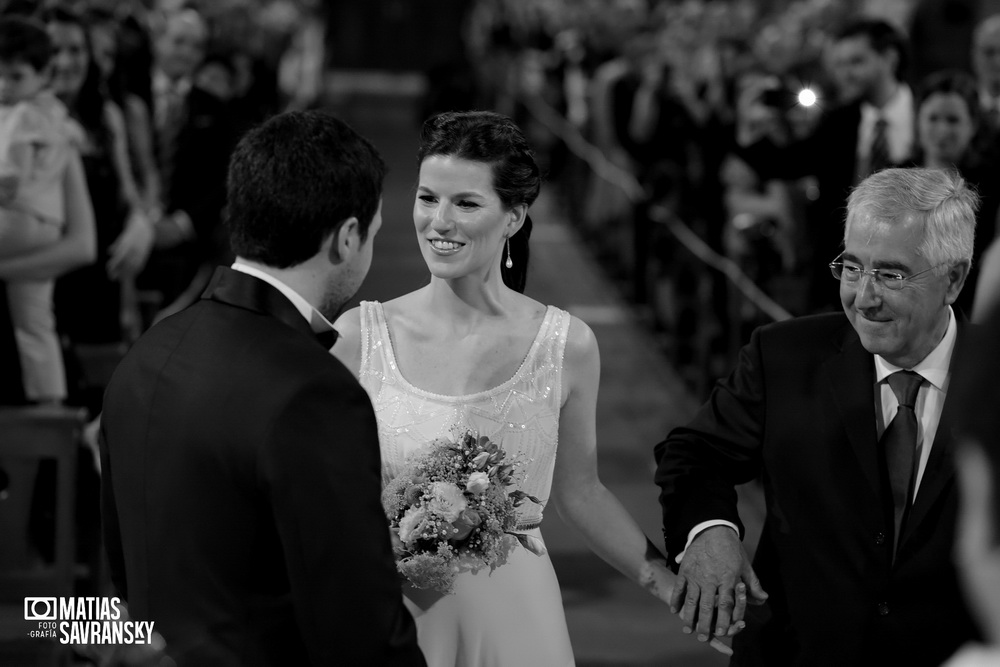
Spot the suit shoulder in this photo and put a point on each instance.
(809, 330)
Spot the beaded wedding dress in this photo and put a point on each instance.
(514, 616)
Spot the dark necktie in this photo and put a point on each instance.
(878, 156)
(327, 338)
(899, 442)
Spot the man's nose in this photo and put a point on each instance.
(867, 294)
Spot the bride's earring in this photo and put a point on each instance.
(509, 263)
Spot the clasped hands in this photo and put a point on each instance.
(714, 584)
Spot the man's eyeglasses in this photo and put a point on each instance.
(851, 273)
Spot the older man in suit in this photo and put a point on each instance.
(847, 422)
(240, 459)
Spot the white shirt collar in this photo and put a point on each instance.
(898, 113)
(899, 106)
(313, 316)
(933, 367)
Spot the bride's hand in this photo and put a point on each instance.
(657, 578)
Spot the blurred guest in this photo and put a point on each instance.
(986, 65)
(194, 139)
(142, 184)
(977, 549)
(656, 131)
(948, 126)
(935, 28)
(89, 300)
(872, 128)
(46, 223)
(988, 287)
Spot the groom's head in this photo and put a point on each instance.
(305, 187)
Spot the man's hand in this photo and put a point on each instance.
(714, 580)
(129, 252)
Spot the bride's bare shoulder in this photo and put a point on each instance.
(348, 346)
(404, 309)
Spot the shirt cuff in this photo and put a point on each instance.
(700, 528)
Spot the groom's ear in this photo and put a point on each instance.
(344, 241)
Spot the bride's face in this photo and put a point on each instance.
(460, 221)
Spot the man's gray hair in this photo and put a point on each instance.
(941, 197)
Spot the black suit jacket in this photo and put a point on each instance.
(241, 484)
(799, 412)
(197, 183)
(194, 181)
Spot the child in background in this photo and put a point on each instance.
(37, 142)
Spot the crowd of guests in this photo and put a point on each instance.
(117, 120)
(115, 147)
(700, 102)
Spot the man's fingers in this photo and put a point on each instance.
(689, 612)
(756, 592)
(677, 595)
(706, 613)
(739, 611)
(724, 614)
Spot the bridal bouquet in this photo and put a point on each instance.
(450, 510)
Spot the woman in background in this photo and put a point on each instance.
(948, 137)
(89, 303)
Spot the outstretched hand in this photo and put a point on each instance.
(715, 583)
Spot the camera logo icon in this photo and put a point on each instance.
(40, 609)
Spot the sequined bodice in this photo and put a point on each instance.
(522, 414)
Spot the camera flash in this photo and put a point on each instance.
(806, 97)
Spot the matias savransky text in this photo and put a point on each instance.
(85, 620)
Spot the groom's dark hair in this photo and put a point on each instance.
(293, 180)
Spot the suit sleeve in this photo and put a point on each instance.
(322, 468)
(699, 465)
(109, 524)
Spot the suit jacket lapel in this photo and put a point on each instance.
(940, 465)
(245, 291)
(852, 375)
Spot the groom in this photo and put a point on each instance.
(241, 471)
(848, 422)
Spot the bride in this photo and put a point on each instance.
(470, 351)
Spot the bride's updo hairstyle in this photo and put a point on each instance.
(493, 139)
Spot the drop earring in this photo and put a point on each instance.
(509, 263)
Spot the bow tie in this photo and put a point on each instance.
(327, 338)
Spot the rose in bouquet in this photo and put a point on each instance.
(452, 509)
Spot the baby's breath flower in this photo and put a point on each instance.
(452, 509)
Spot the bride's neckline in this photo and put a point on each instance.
(383, 324)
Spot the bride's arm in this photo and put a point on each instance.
(348, 346)
(581, 499)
